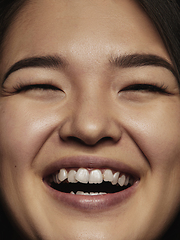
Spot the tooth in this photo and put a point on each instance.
(82, 175)
(62, 174)
(131, 181)
(71, 176)
(108, 175)
(79, 193)
(95, 176)
(55, 178)
(86, 193)
(121, 180)
(126, 181)
(115, 178)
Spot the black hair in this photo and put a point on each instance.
(8, 11)
(166, 16)
(164, 13)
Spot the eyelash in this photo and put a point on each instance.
(21, 87)
(147, 87)
(134, 87)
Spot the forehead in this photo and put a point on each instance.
(89, 27)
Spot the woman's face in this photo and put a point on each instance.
(96, 91)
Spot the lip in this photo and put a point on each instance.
(90, 162)
(95, 202)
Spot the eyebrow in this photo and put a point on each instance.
(140, 60)
(50, 61)
(122, 61)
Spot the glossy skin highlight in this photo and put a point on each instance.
(94, 111)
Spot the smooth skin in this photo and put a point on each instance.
(140, 128)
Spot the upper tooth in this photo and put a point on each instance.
(95, 176)
(121, 180)
(131, 181)
(82, 175)
(71, 176)
(57, 179)
(108, 175)
(62, 174)
(115, 178)
(126, 181)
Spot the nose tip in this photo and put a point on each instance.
(90, 130)
(91, 119)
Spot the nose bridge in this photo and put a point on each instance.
(91, 119)
(91, 115)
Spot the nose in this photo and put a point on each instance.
(91, 121)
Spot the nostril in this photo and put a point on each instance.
(107, 140)
(88, 141)
(75, 140)
(90, 131)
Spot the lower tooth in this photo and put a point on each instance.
(86, 193)
(79, 193)
(94, 193)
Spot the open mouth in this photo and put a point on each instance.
(86, 181)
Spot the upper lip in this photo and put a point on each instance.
(92, 162)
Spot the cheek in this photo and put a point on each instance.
(24, 128)
(157, 133)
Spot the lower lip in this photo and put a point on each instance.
(94, 202)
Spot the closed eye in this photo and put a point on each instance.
(24, 88)
(146, 87)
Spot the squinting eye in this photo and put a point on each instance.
(25, 88)
(146, 88)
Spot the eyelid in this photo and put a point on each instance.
(22, 84)
(28, 76)
(24, 87)
(147, 87)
